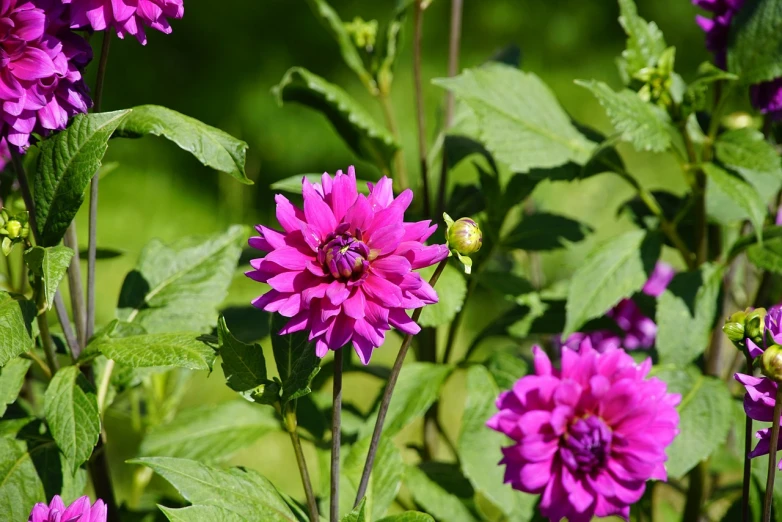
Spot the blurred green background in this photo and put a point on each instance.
(219, 66)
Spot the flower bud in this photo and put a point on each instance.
(734, 331)
(771, 363)
(464, 236)
(14, 229)
(754, 325)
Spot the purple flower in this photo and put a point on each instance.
(717, 28)
(125, 16)
(772, 327)
(767, 98)
(79, 511)
(586, 437)
(41, 63)
(759, 405)
(640, 331)
(342, 268)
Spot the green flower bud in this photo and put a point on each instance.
(464, 236)
(14, 229)
(364, 33)
(734, 331)
(754, 325)
(771, 363)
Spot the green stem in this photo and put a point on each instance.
(454, 45)
(389, 391)
(44, 367)
(692, 507)
(103, 386)
(399, 159)
(291, 423)
(48, 343)
(772, 456)
(336, 435)
(75, 284)
(747, 461)
(418, 22)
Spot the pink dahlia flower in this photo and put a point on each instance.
(125, 16)
(342, 268)
(639, 331)
(759, 405)
(79, 511)
(586, 437)
(41, 63)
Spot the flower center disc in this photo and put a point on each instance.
(344, 256)
(587, 444)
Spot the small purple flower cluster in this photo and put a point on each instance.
(761, 393)
(767, 96)
(42, 59)
(639, 330)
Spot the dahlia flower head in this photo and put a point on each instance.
(589, 436)
(639, 331)
(717, 28)
(343, 268)
(126, 17)
(79, 511)
(761, 393)
(41, 63)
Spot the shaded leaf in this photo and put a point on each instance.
(388, 51)
(244, 365)
(16, 319)
(355, 125)
(409, 516)
(434, 499)
(384, 483)
(451, 291)
(211, 146)
(613, 271)
(686, 312)
(241, 491)
(71, 408)
(358, 514)
(747, 152)
(296, 361)
(521, 122)
(202, 514)
(748, 240)
(49, 264)
(705, 418)
(644, 125)
(64, 165)
(11, 381)
(741, 193)
(178, 288)
(506, 369)
(210, 433)
(755, 53)
(181, 350)
(545, 231)
(20, 486)
(767, 256)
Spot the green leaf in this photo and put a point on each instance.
(416, 390)
(506, 369)
(748, 240)
(16, 326)
(350, 54)
(384, 482)
(181, 350)
(210, 433)
(695, 98)
(434, 499)
(244, 365)
(243, 492)
(296, 361)
(755, 53)
(705, 418)
(767, 256)
(202, 514)
(409, 516)
(479, 448)
(646, 126)
(686, 312)
(65, 164)
(11, 381)
(353, 123)
(520, 120)
(747, 152)
(178, 288)
(645, 41)
(613, 271)
(71, 409)
(20, 486)
(451, 291)
(211, 146)
(357, 515)
(292, 184)
(49, 264)
(741, 193)
(544, 231)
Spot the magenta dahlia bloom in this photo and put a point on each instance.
(125, 16)
(79, 511)
(586, 437)
(41, 63)
(717, 27)
(759, 405)
(639, 331)
(342, 268)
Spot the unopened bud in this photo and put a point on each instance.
(771, 363)
(465, 236)
(734, 331)
(754, 325)
(14, 229)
